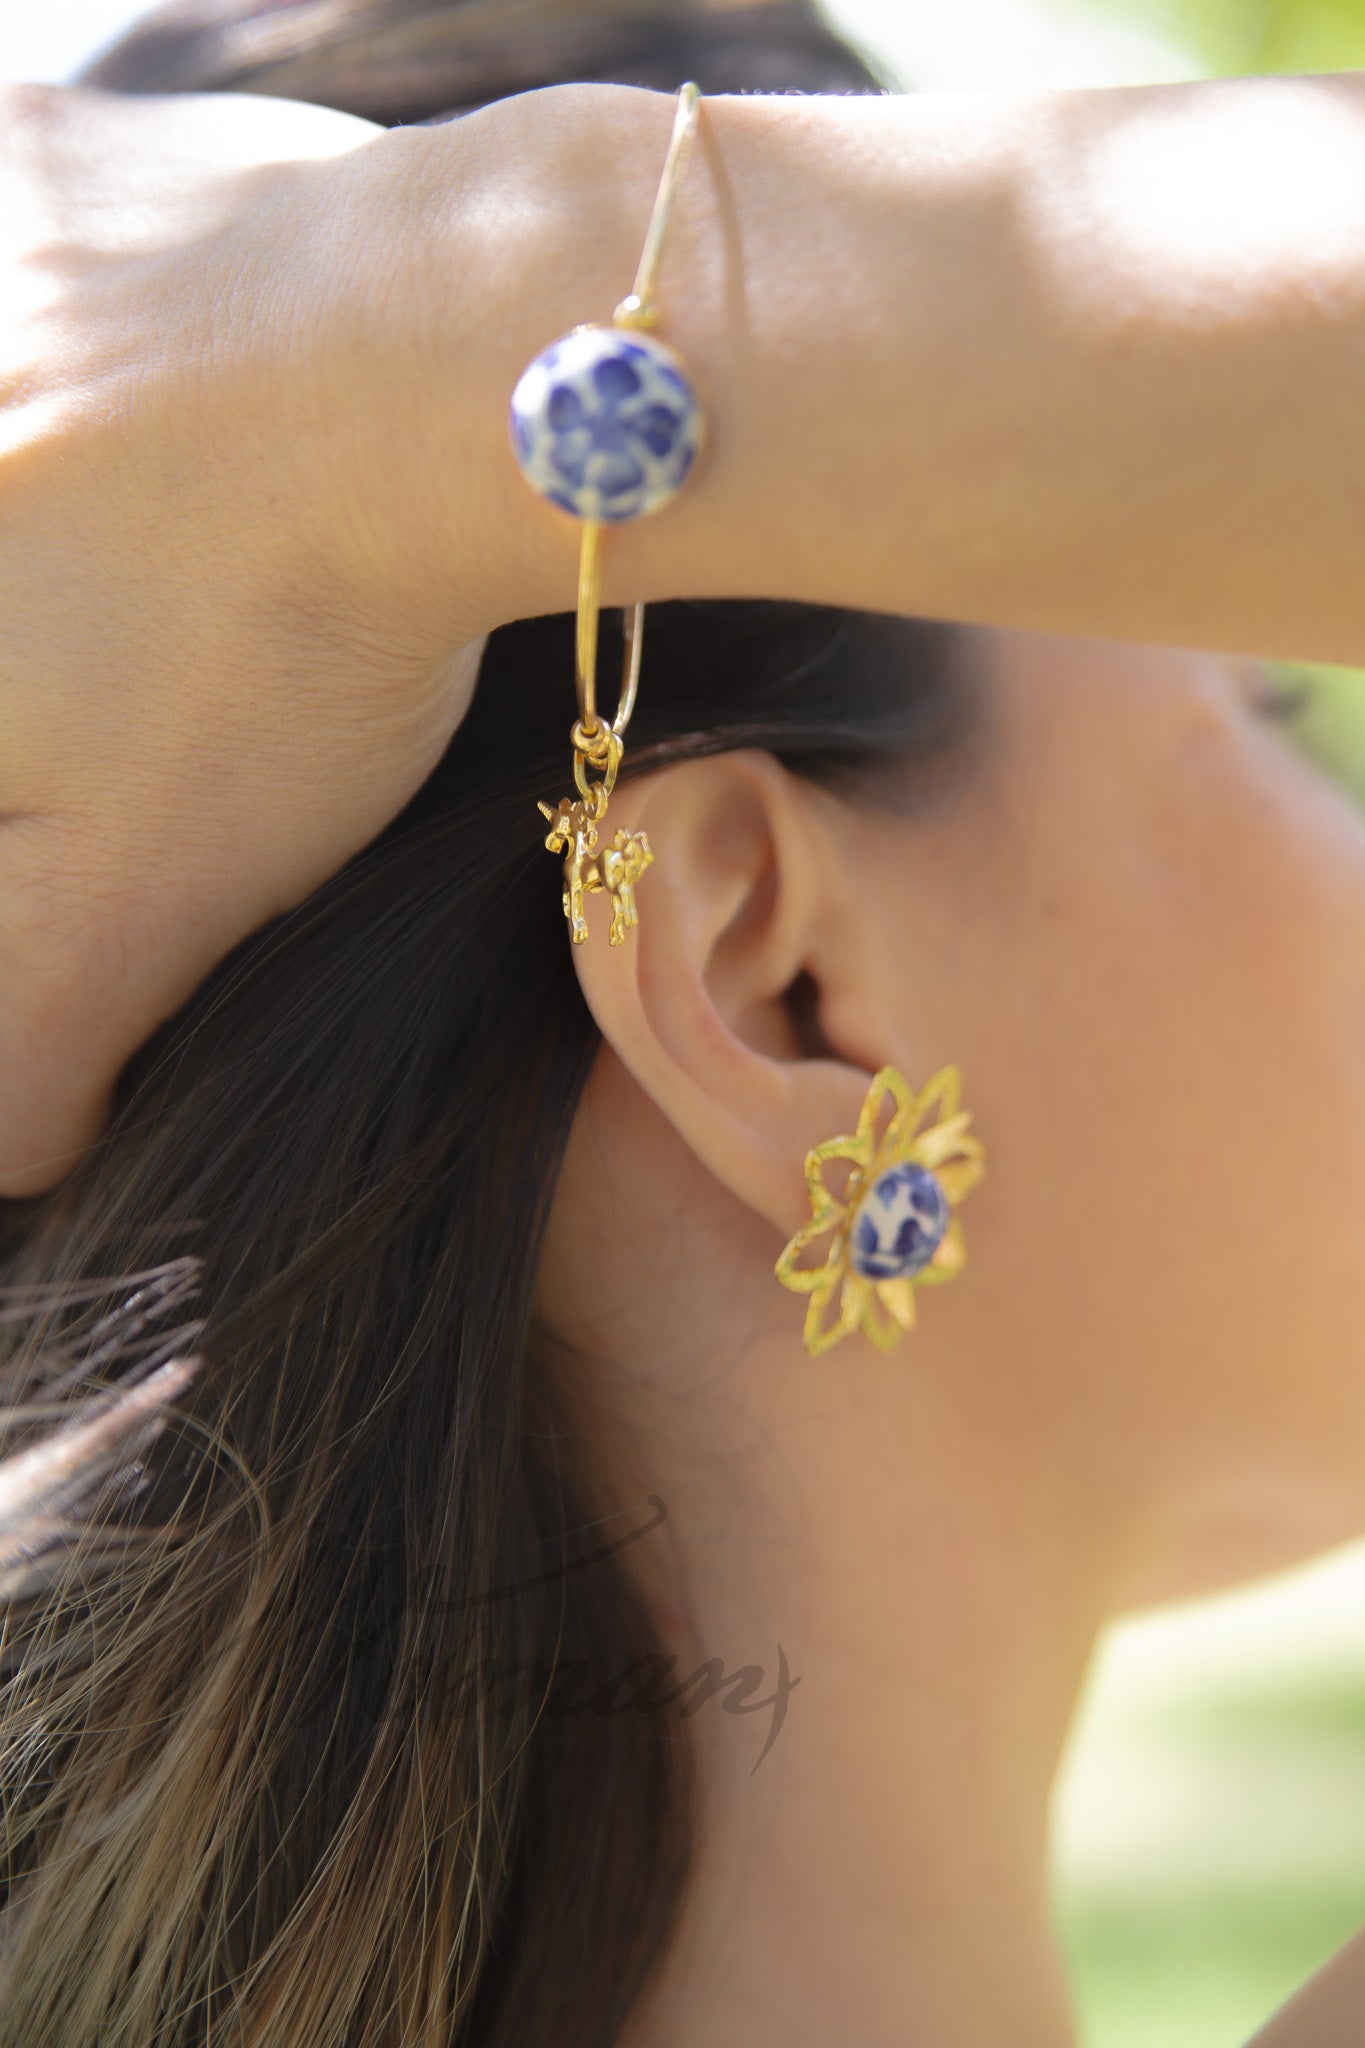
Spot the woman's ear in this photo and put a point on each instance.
(742, 1001)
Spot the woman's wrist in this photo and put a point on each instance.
(841, 278)
(478, 240)
(823, 271)
(949, 364)
(981, 355)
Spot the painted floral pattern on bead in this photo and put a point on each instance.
(869, 1284)
(605, 423)
(899, 1224)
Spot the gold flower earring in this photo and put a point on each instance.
(893, 1226)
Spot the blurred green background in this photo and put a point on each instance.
(1210, 1816)
(1233, 36)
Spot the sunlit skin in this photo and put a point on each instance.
(1045, 373)
(1137, 924)
(1249, 201)
(1086, 362)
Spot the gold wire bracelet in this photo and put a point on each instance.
(606, 423)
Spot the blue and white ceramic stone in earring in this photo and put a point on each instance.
(899, 1224)
(605, 423)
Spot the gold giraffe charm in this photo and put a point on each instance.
(614, 869)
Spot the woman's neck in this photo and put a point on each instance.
(931, 1547)
(880, 1877)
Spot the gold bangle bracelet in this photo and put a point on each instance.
(606, 424)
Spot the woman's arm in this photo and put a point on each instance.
(1092, 362)
(1088, 362)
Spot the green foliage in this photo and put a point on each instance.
(1334, 728)
(1203, 1973)
(1232, 37)
(1330, 726)
(1235, 1865)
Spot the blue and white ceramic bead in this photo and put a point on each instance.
(899, 1224)
(605, 423)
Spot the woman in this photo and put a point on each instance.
(513, 1635)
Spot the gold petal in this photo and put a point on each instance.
(904, 1111)
(948, 1260)
(941, 1097)
(898, 1297)
(805, 1279)
(958, 1176)
(942, 1140)
(850, 1291)
(823, 1203)
(938, 1098)
(878, 1321)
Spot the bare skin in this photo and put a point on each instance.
(1049, 372)
(1139, 928)
(247, 574)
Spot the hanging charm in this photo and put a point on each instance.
(613, 869)
(605, 423)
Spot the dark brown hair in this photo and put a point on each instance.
(259, 1786)
(412, 60)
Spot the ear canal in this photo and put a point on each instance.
(802, 1001)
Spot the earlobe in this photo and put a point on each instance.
(745, 903)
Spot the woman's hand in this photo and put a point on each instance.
(243, 593)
